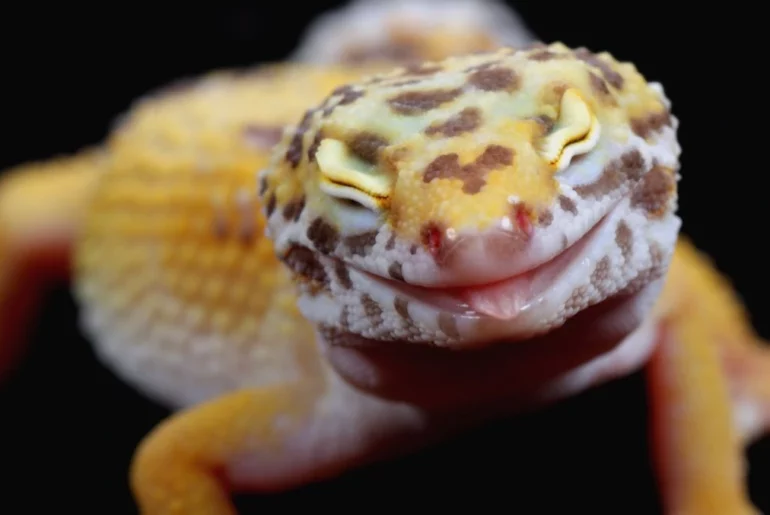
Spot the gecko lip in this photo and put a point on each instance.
(503, 299)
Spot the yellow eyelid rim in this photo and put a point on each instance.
(345, 176)
(576, 132)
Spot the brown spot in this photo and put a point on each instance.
(360, 244)
(466, 120)
(628, 167)
(367, 145)
(293, 209)
(313, 149)
(599, 85)
(494, 79)
(613, 77)
(349, 95)
(543, 55)
(645, 127)
(421, 69)
(391, 244)
(302, 261)
(545, 218)
(342, 273)
(654, 192)
(294, 151)
(413, 249)
(401, 306)
(624, 239)
(577, 300)
(447, 324)
(601, 274)
(448, 166)
(394, 270)
(546, 123)
(417, 102)
(262, 186)
(324, 236)
(567, 204)
(372, 310)
(270, 207)
(262, 137)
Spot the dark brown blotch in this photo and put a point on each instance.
(613, 77)
(545, 218)
(323, 236)
(293, 209)
(348, 93)
(294, 151)
(401, 305)
(567, 204)
(360, 244)
(494, 79)
(313, 148)
(417, 102)
(421, 69)
(543, 55)
(624, 239)
(601, 274)
(628, 167)
(395, 271)
(649, 125)
(447, 166)
(366, 146)
(270, 207)
(654, 192)
(372, 309)
(599, 85)
(262, 185)
(343, 275)
(302, 261)
(467, 120)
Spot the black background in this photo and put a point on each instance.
(68, 427)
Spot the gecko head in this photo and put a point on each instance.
(476, 199)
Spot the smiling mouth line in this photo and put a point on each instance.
(503, 299)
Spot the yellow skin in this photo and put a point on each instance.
(186, 297)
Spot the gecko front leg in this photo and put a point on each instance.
(265, 440)
(697, 448)
(41, 207)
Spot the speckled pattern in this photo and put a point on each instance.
(330, 264)
(473, 170)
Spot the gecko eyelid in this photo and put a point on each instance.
(576, 131)
(351, 179)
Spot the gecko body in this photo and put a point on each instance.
(324, 266)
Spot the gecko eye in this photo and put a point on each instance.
(351, 179)
(576, 131)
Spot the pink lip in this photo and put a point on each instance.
(503, 299)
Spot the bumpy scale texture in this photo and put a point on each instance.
(173, 267)
(470, 171)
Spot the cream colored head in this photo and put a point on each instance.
(479, 197)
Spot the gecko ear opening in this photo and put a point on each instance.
(576, 131)
(351, 179)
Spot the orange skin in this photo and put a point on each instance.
(707, 360)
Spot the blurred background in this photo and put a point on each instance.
(68, 427)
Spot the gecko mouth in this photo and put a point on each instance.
(503, 299)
